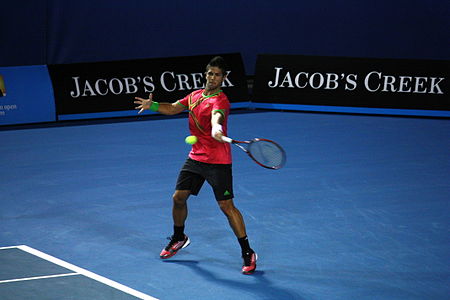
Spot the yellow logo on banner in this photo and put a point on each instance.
(2, 87)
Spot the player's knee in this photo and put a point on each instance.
(226, 206)
(179, 198)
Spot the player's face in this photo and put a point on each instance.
(214, 78)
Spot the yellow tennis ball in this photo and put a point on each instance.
(191, 140)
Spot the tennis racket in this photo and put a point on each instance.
(264, 152)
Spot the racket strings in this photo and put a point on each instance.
(267, 153)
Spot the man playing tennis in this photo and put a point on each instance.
(209, 159)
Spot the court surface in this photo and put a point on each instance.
(360, 211)
(30, 274)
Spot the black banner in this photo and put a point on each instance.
(354, 82)
(111, 86)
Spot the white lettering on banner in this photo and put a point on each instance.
(183, 81)
(351, 82)
(375, 82)
(332, 81)
(321, 81)
(272, 84)
(227, 82)
(287, 79)
(130, 85)
(116, 86)
(149, 87)
(99, 89)
(197, 79)
(7, 107)
(297, 80)
(317, 80)
(435, 85)
(163, 81)
(169, 80)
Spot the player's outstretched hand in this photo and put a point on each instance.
(143, 104)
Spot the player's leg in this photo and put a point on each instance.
(179, 214)
(221, 179)
(188, 183)
(236, 222)
(179, 207)
(234, 217)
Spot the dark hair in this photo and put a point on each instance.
(218, 62)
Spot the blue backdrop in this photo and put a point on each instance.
(53, 32)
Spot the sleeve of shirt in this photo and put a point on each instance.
(222, 105)
(184, 101)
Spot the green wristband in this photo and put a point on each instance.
(154, 106)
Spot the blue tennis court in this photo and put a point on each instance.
(30, 274)
(360, 211)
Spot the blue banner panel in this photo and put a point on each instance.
(339, 83)
(107, 89)
(26, 95)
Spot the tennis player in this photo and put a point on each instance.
(209, 159)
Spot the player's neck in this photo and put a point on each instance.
(207, 92)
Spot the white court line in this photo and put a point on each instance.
(38, 277)
(84, 272)
(10, 247)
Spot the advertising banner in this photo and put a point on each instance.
(105, 89)
(26, 95)
(353, 82)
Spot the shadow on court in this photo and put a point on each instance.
(263, 288)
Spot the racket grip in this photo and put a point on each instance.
(226, 139)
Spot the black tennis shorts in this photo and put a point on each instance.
(194, 173)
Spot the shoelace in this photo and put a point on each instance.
(247, 258)
(172, 241)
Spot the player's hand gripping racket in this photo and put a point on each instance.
(264, 152)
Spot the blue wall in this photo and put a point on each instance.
(53, 31)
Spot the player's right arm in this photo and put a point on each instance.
(163, 107)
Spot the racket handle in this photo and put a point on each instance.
(227, 139)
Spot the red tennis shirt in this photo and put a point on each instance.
(201, 107)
